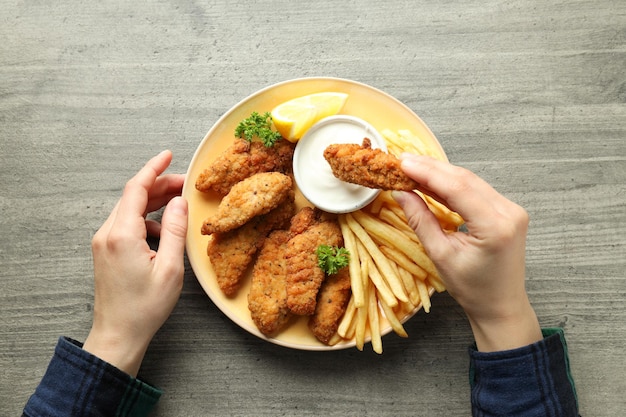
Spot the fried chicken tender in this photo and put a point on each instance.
(304, 276)
(332, 302)
(243, 159)
(231, 253)
(373, 168)
(267, 300)
(249, 198)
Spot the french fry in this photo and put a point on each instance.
(362, 312)
(436, 283)
(387, 292)
(403, 310)
(346, 320)
(385, 198)
(334, 340)
(404, 244)
(374, 323)
(389, 216)
(407, 138)
(400, 222)
(383, 264)
(397, 210)
(378, 202)
(409, 282)
(351, 332)
(423, 290)
(404, 261)
(393, 320)
(361, 320)
(448, 219)
(349, 241)
(394, 267)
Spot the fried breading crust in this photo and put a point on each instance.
(332, 301)
(249, 198)
(243, 159)
(304, 276)
(373, 168)
(231, 253)
(267, 300)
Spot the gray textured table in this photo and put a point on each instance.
(529, 94)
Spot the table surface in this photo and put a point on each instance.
(529, 94)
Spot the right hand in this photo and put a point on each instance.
(483, 269)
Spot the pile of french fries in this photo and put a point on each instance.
(391, 274)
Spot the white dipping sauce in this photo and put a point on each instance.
(313, 174)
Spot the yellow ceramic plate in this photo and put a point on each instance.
(378, 108)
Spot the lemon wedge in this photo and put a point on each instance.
(294, 117)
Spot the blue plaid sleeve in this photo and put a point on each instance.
(533, 380)
(77, 383)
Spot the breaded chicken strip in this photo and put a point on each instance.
(243, 159)
(304, 276)
(231, 253)
(373, 168)
(249, 198)
(267, 300)
(332, 302)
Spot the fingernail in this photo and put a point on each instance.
(162, 153)
(178, 205)
(398, 196)
(407, 159)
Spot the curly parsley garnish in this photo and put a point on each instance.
(331, 259)
(260, 126)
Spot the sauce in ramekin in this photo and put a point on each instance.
(313, 174)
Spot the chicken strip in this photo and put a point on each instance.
(267, 300)
(373, 168)
(243, 159)
(249, 198)
(304, 276)
(231, 253)
(332, 302)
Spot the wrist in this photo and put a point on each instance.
(123, 353)
(516, 327)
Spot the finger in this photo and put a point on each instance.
(155, 204)
(164, 189)
(169, 257)
(458, 188)
(134, 201)
(153, 228)
(422, 221)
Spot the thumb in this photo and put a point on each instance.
(173, 233)
(421, 219)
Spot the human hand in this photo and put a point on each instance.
(483, 269)
(136, 288)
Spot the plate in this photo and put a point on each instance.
(376, 107)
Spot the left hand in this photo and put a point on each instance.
(136, 288)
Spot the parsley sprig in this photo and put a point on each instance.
(332, 258)
(260, 126)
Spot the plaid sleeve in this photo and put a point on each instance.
(533, 380)
(77, 383)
